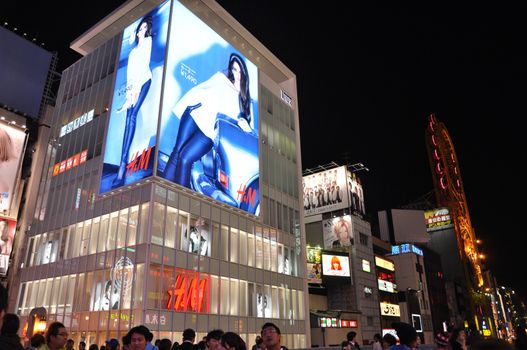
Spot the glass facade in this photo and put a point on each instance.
(155, 253)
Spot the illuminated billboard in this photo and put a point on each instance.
(356, 195)
(130, 142)
(438, 219)
(335, 265)
(388, 309)
(314, 260)
(325, 191)
(7, 236)
(337, 232)
(208, 138)
(12, 142)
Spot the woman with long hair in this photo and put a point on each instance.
(224, 94)
(138, 81)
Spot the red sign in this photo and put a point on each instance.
(139, 161)
(190, 292)
(70, 163)
(348, 323)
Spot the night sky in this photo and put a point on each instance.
(370, 105)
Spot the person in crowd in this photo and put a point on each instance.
(82, 345)
(441, 340)
(126, 342)
(226, 94)
(407, 336)
(388, 340)
(376, 345)
(213, 339)
(189, 336)
(69, 344)
(56, 337)
(473, 335)
(345, 345)
(351, 338)
(201, 345)
(103, 347)
(164, 344)
(94, 347)
(232, 341)
(175, 345)
(458, 339)
(272, 337)
(156, 343)
(9, 339)
(257, 341)
(113, 344)
(36, 341)
(138, 81)
(140, 336)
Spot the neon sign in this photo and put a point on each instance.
(190, 292)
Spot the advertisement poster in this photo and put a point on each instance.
(335, 265)
(197, 240)
(7, 236)
(325, 191)
(314, 268)
(130, 142)
(356, 195)
(12, 141)
(263, 305)
(337, 232)
(111, 294)
(208, 138)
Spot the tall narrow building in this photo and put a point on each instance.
(171, 196)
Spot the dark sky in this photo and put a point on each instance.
(367, 80)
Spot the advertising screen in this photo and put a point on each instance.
(438, 219)
(335, 265)
(7, 236)
(208, 138)
(131, 138)
(24, 70)
(314, 260)
(337, 232)
(355, 194)
(12, 142)
(325, 191)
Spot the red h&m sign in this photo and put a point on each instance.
(190, 292)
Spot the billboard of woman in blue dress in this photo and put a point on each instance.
(130, 142)
(209, 125)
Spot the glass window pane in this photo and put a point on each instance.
(225, 296)
(157, 226)
(224, 249)
(214, 296)
(243, 248)
(171, 227)
(235, 299)
(132, 225)
(234, 246)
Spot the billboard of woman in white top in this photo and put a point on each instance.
(209, 127)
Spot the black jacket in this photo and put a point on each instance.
(10, 342)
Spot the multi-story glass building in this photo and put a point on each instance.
(139, 219)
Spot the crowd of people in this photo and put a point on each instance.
(140, 337)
